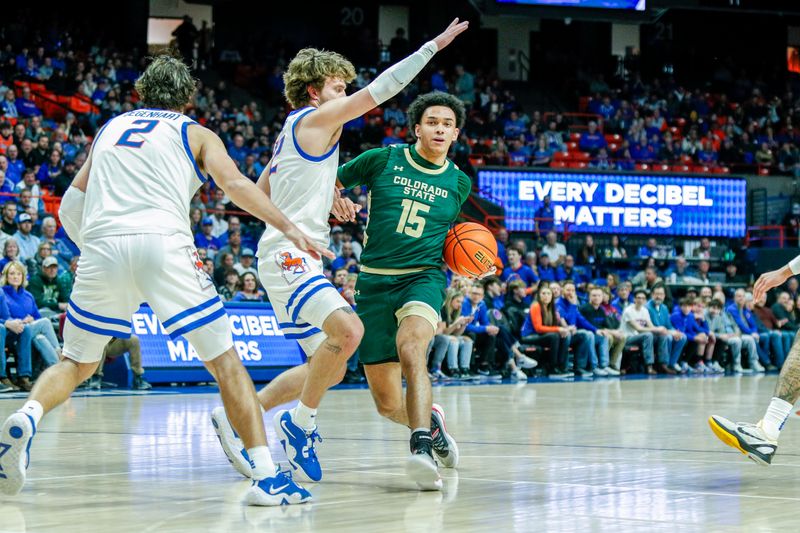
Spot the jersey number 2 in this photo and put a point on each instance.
(147, 127)
(410, 222)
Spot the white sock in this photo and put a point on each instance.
(261, 462)
(776, 415)
(304, 416)
(33, 409)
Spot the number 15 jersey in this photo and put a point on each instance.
(143, 176)
(411, 205)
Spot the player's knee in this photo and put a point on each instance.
(388, 406)
(348, 337)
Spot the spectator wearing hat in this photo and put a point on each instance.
(546, 270)
(50, 290)
(245, 264)
(27, 241)
(336, 240)
(205, 239)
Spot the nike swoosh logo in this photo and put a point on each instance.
(275, 490)
(286, 429)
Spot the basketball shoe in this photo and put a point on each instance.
(749, 439)
(444, 445)
(230, 442)
(280, 489)
(15, 444)
(421, 468)
(299, 446)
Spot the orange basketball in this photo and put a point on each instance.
(470, 249)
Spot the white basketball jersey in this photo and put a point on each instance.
(301, 185)
(143, 176)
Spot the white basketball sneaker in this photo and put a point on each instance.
(749, 439)
(15, 444)
(230, 442)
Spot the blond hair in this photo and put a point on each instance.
(166, 84)
(19, 266)
(313, 67)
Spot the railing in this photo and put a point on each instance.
(772, 233)
(524, 65)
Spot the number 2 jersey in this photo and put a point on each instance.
(411, 205)
(143, 176)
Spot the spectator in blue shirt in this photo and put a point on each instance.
(12, 329)
(685, 321)
(568, 271)
(669, 346)
(25, 106)
(546, 270)
(394, 112)
(16, 167)
(747, 324)
(393, 138)
(5, 183)
(51, 170)
(517, 270)
(9, 107)
(544, 217)
(583, 337)
(261, 163)
(480, 327)
(238, 151)
(347, 259)
(624, 298)
(592, 139)
(206, 239)
(22, 306)
(514, 126)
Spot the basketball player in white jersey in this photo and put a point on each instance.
(759, 441)
(301, 180)
(128, 210)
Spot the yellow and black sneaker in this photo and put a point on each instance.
(749, 439)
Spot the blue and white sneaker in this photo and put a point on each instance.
(278, 490)
(299, 447)
(230, 442)
(15, 444)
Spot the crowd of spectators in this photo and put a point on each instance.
(580, 294)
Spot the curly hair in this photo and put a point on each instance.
(436, 98)
(166, 84)
(312, 67)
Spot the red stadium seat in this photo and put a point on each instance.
(577, 164)
(686, 159)
(701, 169)
(575, 136)
(581, 156)
(557, 164)
(613, 147)
(571, 146)
(613, 138)
(476, 161)
(722, 170)
(642, 166)
(661, 167)
(561, 156)
(680, 168)
(763, 171)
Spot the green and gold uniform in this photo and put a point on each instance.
(412, 204)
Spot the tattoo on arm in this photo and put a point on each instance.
(788, 388)
(332, 347)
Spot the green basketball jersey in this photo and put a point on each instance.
(411, 204)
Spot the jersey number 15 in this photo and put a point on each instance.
(411, 223)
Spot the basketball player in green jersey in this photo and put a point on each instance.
(415, 194)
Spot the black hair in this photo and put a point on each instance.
(436, 98)
(637, 292)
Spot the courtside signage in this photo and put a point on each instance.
(626, 203)
(256, 337)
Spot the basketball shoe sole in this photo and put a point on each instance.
(15, 443)
(231, 444)
(747, 438)
(444, 445)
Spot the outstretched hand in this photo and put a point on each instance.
(451, 32)
(770, 280)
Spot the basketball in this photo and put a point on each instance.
(470, 249)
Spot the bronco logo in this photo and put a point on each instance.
(295, 265)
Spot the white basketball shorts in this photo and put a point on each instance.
(116, 274)
(301, 296)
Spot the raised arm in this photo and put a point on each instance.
(214, 159)
(333, 113)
